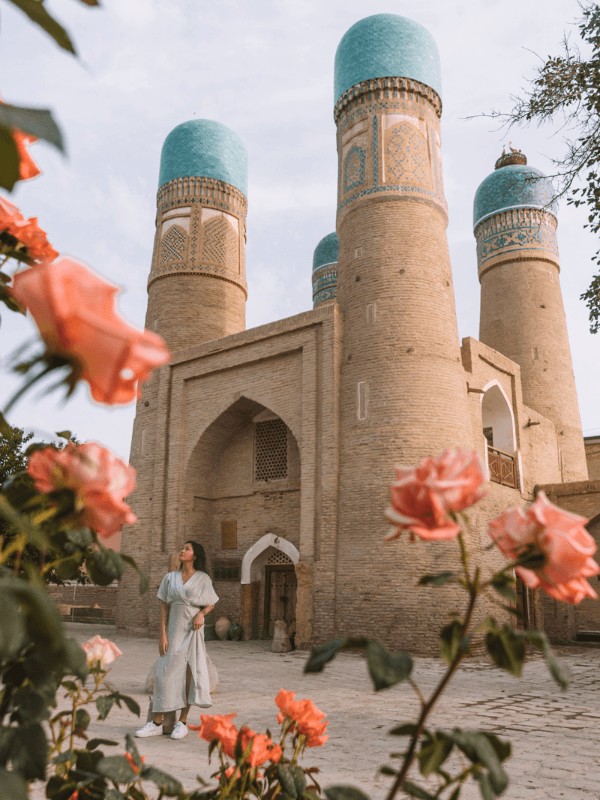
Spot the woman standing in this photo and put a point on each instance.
(186, 597)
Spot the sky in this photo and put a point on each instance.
(265, 69)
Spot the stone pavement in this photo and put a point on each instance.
(555, 735)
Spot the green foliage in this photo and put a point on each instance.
(567, 87)
(437, 579)
(453, 642)
(385, 668)
(36, 122)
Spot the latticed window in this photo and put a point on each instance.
(173, 245)
(227, 570)
(270, 449)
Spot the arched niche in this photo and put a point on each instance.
(498, 421)
(252, 562)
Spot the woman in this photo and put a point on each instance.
(186, 597)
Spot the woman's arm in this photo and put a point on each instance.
(199, 618)
(163, 644)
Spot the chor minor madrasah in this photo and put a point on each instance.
(276, 446)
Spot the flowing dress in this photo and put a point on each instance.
(186, 644)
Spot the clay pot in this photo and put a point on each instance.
(235, 632)
(222, 626)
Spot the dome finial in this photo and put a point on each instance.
(514, 156)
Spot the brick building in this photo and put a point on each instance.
(275, 446)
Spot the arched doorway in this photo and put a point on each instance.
(498, 425)
(242, 493)
(269, 585)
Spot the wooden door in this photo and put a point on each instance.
(280, 596)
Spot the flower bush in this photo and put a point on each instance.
(547, 547)
(98, 480)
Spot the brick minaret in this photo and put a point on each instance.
(197, 285)
(196, 293)
(403, 390)
(522, 313)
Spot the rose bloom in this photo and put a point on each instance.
(26, 233)
(74, 311)
(27, 166)
(218, 727)
(423, 496)
(100, 651)
(561, 537)
(308, 719)
(262, 748)
(98, 479)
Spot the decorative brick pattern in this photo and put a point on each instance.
(173, 246)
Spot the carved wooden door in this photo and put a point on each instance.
(280, 596)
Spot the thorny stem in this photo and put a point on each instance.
(453, 666)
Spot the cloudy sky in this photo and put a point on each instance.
(265, 69)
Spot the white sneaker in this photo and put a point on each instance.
(180, 730)
(149, 729)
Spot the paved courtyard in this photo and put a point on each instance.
(555, 735)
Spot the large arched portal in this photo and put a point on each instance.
(243, 486)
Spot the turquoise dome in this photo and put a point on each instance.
(513, 186)
(202, 148)
(386, 46)
(326, 252)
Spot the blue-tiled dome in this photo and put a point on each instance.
(326, 252)
(386, 46)
(513, 186)
(204, 149)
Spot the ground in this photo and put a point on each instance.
(555, 735)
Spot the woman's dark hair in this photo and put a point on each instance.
(199, 555)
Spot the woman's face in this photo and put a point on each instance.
(186, 553)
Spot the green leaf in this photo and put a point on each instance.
(478, 748)
(324, 653)
(434, 752)
(94, 743)
(485, 785)
(166, 783)
(30, 705)
(144, 583)
(29, 751)
(37, 122)
(9, 160)
(37, 13)
(104, 566)
(116, 769)
(12, 630)
(130, 703)
(13, 786)
(385, 668)
(385, 770)
(415, 791)
(299, 779)
(286, 779)
(75, 659)
(437, 579)
(452, 642)
(506, 648)
(407, 729)
(505, 586)
(345, 793)
(114, 794)
(82, 720)
(81, 538)
(5, 428)
(540, 641)
(104, 703)
(65, 435)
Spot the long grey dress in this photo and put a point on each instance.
(186, 644)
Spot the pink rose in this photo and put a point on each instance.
(423, 496)
(74, 310)
(98, 479)
(100, 651)
(561, 537)
(23, 236)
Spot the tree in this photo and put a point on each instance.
(13, 444)
(567, 87)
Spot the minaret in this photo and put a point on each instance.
(325, 267)
(522, 313)
(197, 285)
(196, 293)
(403, 389)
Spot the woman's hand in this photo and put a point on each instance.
(198, 621)
(163, 645)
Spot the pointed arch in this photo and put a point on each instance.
(497, 414)
(266, 541)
